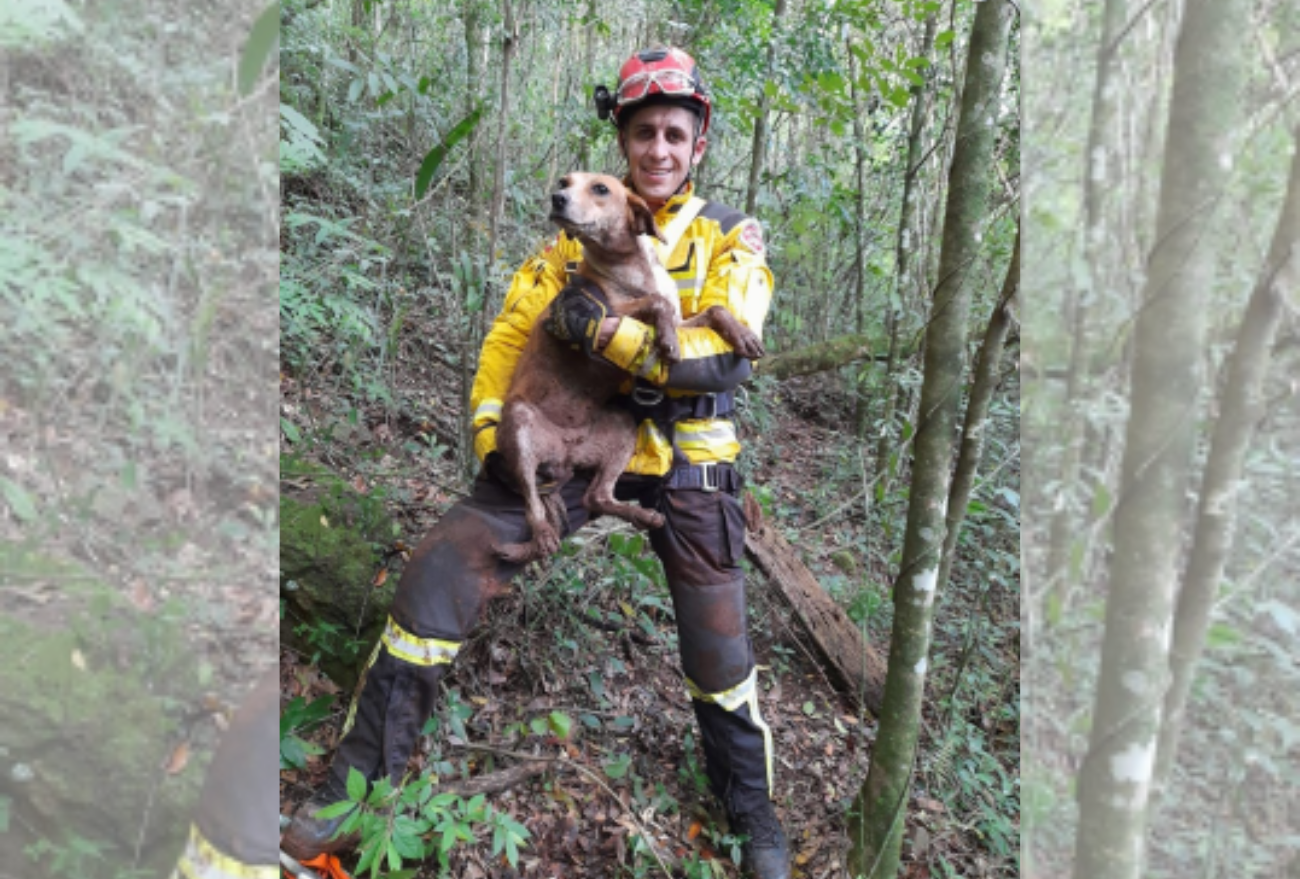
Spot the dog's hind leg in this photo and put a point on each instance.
(557, 513)
(613, 442)
(527, 451)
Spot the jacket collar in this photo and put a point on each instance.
(673, 205)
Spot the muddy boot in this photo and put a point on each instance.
(308, 836)
(766, 852)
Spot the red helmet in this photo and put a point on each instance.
(662, 75)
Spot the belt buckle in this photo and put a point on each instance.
(713, 398)
(707, 468)
(644, 396)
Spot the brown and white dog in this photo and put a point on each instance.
(557, 418)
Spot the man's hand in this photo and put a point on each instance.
(608, 327)
(578, 316)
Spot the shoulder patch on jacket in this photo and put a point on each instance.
(751, 236)
(726, 218)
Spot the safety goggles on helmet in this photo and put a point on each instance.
(666, 82)
(655, 75)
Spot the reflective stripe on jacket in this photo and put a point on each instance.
(719, 260)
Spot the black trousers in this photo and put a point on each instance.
(454, 572)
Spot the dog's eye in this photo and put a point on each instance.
(600, 189)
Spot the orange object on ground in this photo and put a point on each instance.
(326, 866)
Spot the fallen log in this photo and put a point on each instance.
(852, 664)
(823, 356)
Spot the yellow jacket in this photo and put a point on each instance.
(718, 260)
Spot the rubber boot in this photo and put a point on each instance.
(766, 852)
(396, 699)
(308, 836)
(735, 751)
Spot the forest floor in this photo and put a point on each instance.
(631, 765)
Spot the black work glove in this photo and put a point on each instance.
(576, 316)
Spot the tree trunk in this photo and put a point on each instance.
(983, 384)
(1100, 177)
(588, 62)
(1115, 778)
(358, 23)
(469, 348)
(509, 43)
(876, 820)
(760, 123)
(1241, 405)
(903, 247)
(861, 408)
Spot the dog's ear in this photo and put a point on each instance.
(642, 219)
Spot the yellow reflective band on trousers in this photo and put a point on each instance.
(744, 693)
(402, 645)
(417, 651)
(202, 860)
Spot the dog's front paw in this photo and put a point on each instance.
(748, 345)
(669, 350)
(547, 541)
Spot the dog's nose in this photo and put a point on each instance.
(559, 201)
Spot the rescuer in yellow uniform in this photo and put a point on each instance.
(683, 467)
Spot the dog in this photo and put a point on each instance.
(557, 418)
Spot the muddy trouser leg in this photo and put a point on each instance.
(236, 819)
(701, 546)
(439, 598)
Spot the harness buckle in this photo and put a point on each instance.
(713, 401)
(709, 481)
(645, 396)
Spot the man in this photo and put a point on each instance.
(682, 467)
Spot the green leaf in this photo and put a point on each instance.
(433, 160)
(561, 724)
(334, 810)
(1100, 501)
(19, 501)
(1222, 635)
(343, 63)
(290, 430)
(809, 709)
(356, 784)
(262, 40)
(300, 714)
(943, 38)
(618, 767)
(354, 90)
(1285, 618)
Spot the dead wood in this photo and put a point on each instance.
(853, 665)
(495, 782)
(823, 356)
